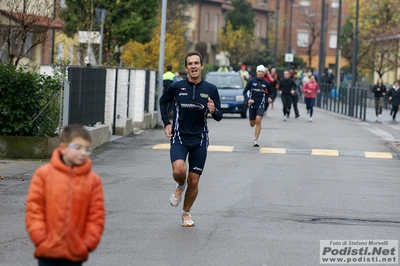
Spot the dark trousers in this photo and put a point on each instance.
(58, 262)
(378, 106)
(295, 100)
(287, 102)
(395, 108)
(310, 105)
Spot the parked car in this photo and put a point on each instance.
(230, 88)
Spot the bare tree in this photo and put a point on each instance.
(25, 25)
(384, 56)
(314, 32)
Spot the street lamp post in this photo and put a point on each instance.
(276, 32)
(101, 17)
(355, 51)
(338, 50)
(290, 32)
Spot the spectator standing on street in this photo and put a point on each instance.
(310, 89)
(275, 85)
(379, 91)
(244, 73)
(306, 78)
(223, 69)
(168, 78)
(286, 90)
(270, 91)
(254, 94)
(394, 99)
(297, 94)
(326, 83)
(194, 100)
(65, 203)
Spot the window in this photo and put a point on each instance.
(216, 28)
(258, 28)
(332, 40)
(302, 38)
(335, 7)
(60, 54)
(207, 22)
(304, 7)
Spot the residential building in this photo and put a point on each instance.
(306, 27)
(38, 23)
(209, 19)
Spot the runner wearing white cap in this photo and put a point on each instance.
(255, 95)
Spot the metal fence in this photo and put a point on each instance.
(48, 121)
(346, 100)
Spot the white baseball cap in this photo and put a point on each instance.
(261, 68)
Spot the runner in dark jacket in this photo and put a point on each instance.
(254, 94)
(379, 91)
(394, 99)
(194, 99)
(287, 88)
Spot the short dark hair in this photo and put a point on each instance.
(70, 132)
(169, 67)
(191, 54)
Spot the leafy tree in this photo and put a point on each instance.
(242, 16)
(376, 17)
(237, 43)
(24, 28)
(146, 55)
(125, 21)
(259, 55)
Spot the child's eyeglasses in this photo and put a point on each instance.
(78, 148)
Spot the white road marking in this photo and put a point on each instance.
(378, 132)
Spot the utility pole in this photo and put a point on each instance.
(338, 41)
(290, 32)
(161, 59)
(321, 64)
(276, 32)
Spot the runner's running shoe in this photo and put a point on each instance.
(187, 220)
(175, 197)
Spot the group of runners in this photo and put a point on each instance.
(195, 98)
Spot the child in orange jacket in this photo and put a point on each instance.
(65, 203)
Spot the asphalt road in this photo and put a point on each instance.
(256, 206)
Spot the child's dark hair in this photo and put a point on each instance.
(72, 131)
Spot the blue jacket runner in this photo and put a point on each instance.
(256, 88)
(190, 110)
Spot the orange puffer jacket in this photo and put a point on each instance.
(65, 210)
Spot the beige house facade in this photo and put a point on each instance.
(39, 22)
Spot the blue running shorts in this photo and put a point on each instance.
(256, 112)
(197, 156)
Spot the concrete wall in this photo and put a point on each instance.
(41, 147)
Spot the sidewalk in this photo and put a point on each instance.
(20, 167)
(13, 168)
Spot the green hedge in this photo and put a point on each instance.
(23, 95)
